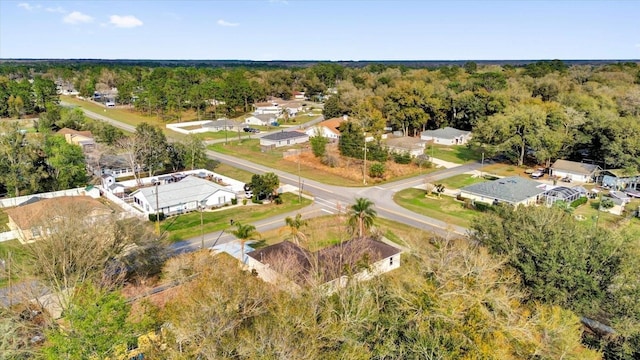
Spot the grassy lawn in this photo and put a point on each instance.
(460, 181)
(4, 219)
(18, 256)
(590, 213)
(446, 209)
(130, 117)
(234, 173)
(186, 226)
(458, 154)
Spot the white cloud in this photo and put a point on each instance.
(56, 9)
(226, 23)
(28, 6)
(76, 17)
(127, 21)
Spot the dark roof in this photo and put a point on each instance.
(511, 189)
(284, 135)
(575, 167)
(332, 261)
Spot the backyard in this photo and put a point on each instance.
(458, 154)
(444, 208)
(460, 181)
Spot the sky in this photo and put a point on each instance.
(330, 30)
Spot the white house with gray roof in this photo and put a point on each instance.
(579, 172)
(446, 136)
(513, 190)
(261, 119)
(185, 195)
(283, 138)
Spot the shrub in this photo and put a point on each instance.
(377, 170)
(578, 202)
(234, 201)
(161, 216)
(402, 158)
(244, 201)
(319, 145)
(255, 200)
(330, 160)
(423, 161)
(277, 200)
(482, 207)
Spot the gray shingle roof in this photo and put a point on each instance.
(511, 190)
(445, 133)
(188, 190)
(575, 167)
(284, 135)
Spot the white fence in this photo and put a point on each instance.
(9, 235)
(128, 209)
(179, 127)
(10, 202)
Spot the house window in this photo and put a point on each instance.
(391, 261)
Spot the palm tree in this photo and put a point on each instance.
(362, 216)
(244, 233)
(294, 225)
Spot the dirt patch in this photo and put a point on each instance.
(351, 168)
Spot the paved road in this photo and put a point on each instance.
(96, 116)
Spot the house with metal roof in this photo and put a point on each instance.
(575, 171)
(189, 194)
(620, 179)
(283, 138)
(513, 190)
(446, 136)
(261, 119)
(362, 258)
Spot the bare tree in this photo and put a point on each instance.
(126, 147)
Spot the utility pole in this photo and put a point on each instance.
(299, 185)
(482, 166)
(201, 226)
(157, 212)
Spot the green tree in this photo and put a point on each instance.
(244, 232)
(195, 152)
(95, 326)
(361, 216)
(294, 226)
(332, 107)
(319, 145)
(45, 92)
(351, 142)
(150, 147)
(377, 170)
(18, 159)
(65, 163)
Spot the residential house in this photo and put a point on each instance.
(620, 179)
(446, 136)
(513, 190)
(405, 144)
(261, 119)
(221, 125)
(109, 184)
(575, 171)
(84, 139)
(359, 259)
(32, 219)
(283, 138)
(267, 108)
(327, 128)
(190, 194)
(298, 95)
(115, 164)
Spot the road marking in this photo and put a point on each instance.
(327, 211)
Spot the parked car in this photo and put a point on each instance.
(537, 174)
(251, 130)
(566, 179)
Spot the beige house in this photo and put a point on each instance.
(30, 220)
(579, 172)
(84, 139)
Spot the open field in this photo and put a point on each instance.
(349, 174)
(445, 208)
(187, 225)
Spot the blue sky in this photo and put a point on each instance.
(320, 30)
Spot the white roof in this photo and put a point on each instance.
(188, 190)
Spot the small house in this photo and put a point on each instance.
(283, 138)
(446, 136)
(575, 171)
(328, 128)
(189, 194)
(405, 144)
(261, 119)
(84, 139)
(220, 125)
(619, 179)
